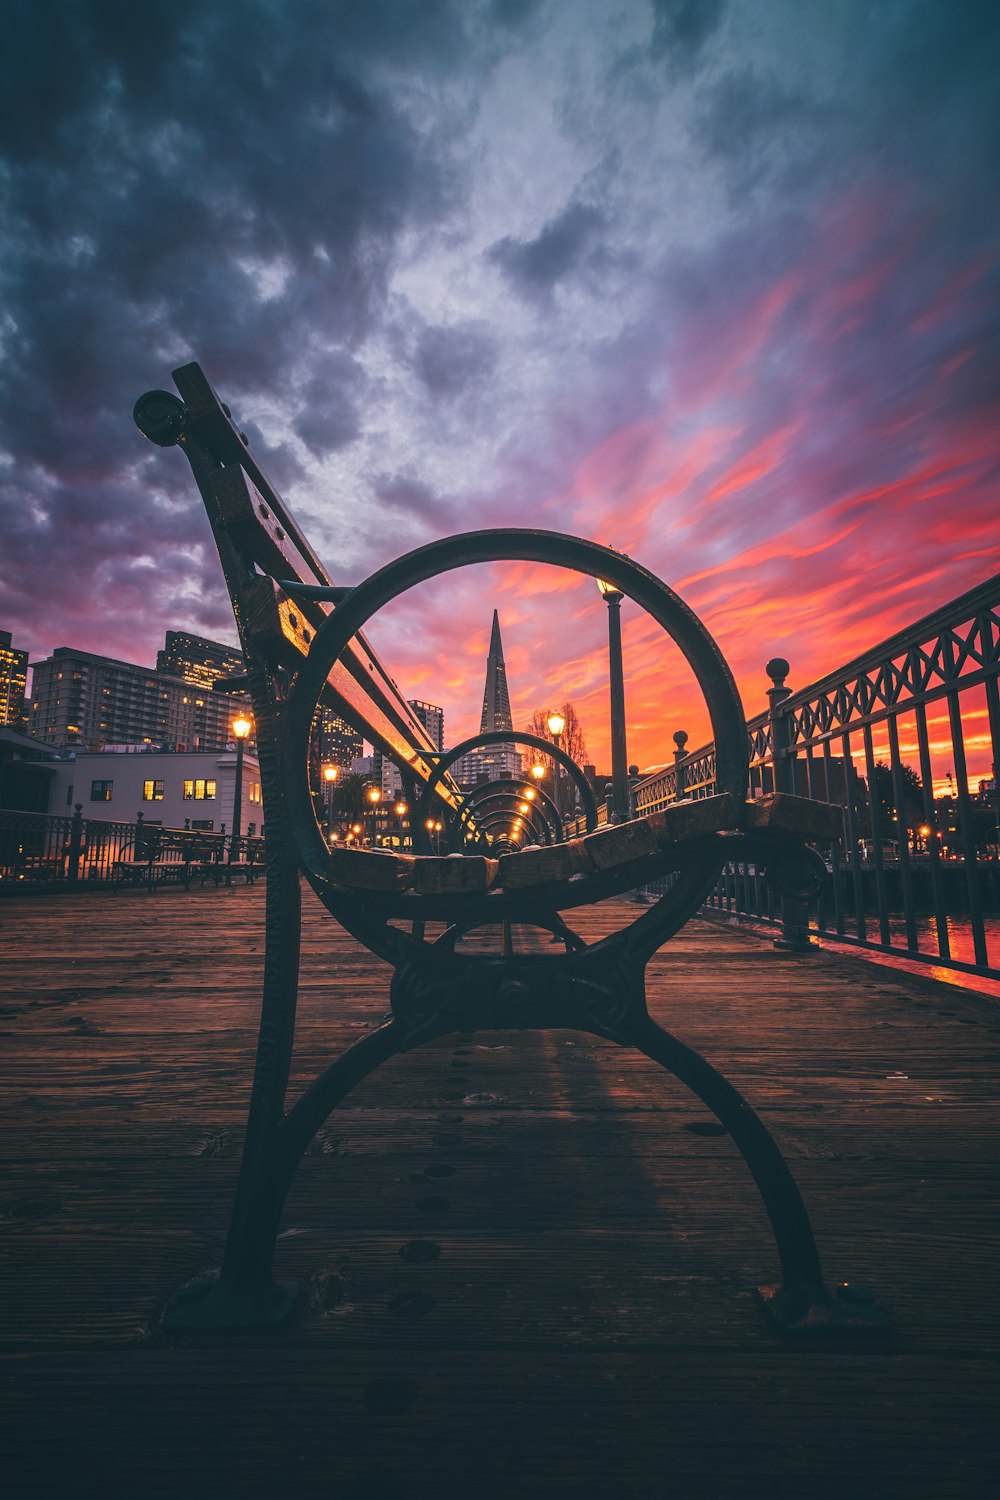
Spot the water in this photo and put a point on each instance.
(959, 937)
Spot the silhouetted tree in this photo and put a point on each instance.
(571, 740)
(350, 797)
(911, 814)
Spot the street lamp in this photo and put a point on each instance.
(401, 810)
(330, 774)
(374, 797)
(538, 772)
(557, 723)
(241, 727)
(619, 756)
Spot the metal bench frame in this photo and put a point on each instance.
(436, 988)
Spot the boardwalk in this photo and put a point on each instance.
(528, 1258)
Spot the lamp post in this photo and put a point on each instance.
(401, 809)
(330, 774)
(241, 728)
(374, 797)
(557, 723)
(619, 757)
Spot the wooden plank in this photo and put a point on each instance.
(785, 813)
(369, 870)
(540, 866)
(620, 844)
(694, 819)
(452, 874)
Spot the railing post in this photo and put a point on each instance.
(680, 756)
(75, 842)
(794, 914)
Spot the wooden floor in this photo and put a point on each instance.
(528, 1258)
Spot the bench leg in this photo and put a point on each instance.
(242, 1296)
(801, 1303)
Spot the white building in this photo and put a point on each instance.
(194, 788)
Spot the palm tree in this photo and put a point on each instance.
(350, 800)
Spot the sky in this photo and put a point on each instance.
(713, 281)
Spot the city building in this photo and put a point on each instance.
(338, 744)
(83, 701)
(385, 771)
(192, 658)
(492, 761)
(432, 718)
(193, 789)
(13, 684)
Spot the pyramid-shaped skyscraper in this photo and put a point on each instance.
(492, 762)
(496, 700)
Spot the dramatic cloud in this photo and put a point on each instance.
(714, 282)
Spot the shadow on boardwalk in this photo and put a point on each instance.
(528, 1262)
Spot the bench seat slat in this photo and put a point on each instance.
(531, 867)
(608, 849)
(367, 870)
(785, 813)
(447, 875)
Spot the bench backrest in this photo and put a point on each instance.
(257, 537)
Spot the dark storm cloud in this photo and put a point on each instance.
(209, 181)
(330, 415)
(409, 496)
(534, 267)
(682, 27)
(453, 360)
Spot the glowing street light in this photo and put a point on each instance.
(330, 774)
(374, 798)
(538, 771)
(619, 754)
(557, 723)
(241, 727)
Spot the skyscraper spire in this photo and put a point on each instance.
(496, 701)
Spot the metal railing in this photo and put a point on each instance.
(890, 737)
(41, 851)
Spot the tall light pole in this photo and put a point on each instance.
(241, 727)
(557, 723)
(330, 774)
(374, 797)
(619, 756)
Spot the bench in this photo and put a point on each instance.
(304, 645)
(160, 855)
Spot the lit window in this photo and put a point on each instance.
(100, 791)
(152, 791)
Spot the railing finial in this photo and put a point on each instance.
(777, 669)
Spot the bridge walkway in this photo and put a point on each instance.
(528, 1259)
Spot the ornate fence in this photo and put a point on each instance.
(905, 738)
(41, 852)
